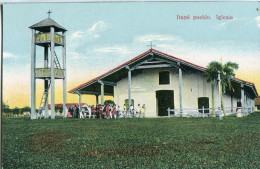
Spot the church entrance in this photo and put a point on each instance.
(165, 99)
(203, 102)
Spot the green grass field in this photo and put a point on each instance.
(132, 143)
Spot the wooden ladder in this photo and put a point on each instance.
(44, 99)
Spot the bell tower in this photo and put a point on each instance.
(49, 35)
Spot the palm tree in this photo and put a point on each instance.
(226, 72)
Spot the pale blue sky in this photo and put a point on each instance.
(108, 34)
(120, 25)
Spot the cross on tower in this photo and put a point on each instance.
(151, 45)
(49, 13)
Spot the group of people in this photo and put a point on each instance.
(73, 111)
(106, 111)
(133, 112)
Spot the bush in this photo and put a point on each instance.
(16, 110)
(26, 109)
(5, 108)
(107, 102)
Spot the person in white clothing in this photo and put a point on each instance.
(89, 111)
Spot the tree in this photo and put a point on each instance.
(16, 110)
(107, 102)
(226, 72)
(26, 109)
(5, 108)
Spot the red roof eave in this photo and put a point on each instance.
(137, 57)
(96, 78)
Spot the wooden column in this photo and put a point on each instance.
(213, 97)
(180, 88)
(129, 88)
(220, 95)
(242, 98)
(96, 99)
(65, 76)
(33, 80)
(102, 94)
(232, 103)
(52, 75)
(46, 84)
(79, 94)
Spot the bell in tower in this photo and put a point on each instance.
(49, 35)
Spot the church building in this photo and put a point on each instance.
(161, 81)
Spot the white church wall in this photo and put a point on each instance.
(194, 85)
(144, 87)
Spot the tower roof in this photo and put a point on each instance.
(44, 26)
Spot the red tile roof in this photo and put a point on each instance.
(68, 105)
(139, 56)
(124, 64)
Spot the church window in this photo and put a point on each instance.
(164, 77)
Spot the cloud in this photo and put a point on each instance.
(97, 36)
(74, 54)
(76, 35)
(157, 37)
(8, 55)
(221, 26)
(99, 26)
(258, 21)
(79, 39)
(91, 33)
(113, 50)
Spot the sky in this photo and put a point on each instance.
(101, 36)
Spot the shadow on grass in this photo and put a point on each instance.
(46, 142)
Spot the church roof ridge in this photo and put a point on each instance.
(146, 52)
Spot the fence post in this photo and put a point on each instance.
(168, 111)
(203, 111)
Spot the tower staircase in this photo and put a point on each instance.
(56, 61)
(44, 100)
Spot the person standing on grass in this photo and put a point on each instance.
(107, 111)
(100, 111)
(117, 111)
(132, 110)
(114, 111)
(139, 111)
(125, 111)
(80, 114)
(89, 111)
(77, 112)
(74, 111)
(93, 110)
(69, 112)
(103, 110)
(143, 111)
(111, 110)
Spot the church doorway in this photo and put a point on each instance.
(203, 102)
(165, 99)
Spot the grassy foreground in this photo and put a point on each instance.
(132, 143)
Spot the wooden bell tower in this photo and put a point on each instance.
(49, 35)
